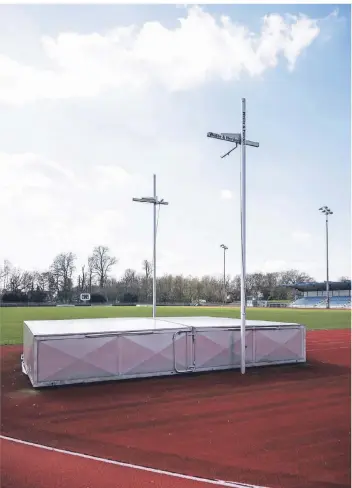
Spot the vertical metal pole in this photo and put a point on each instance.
(327, 263)
(154, 246)
(224, 275)
(243, 238)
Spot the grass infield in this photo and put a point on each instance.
(11, 318)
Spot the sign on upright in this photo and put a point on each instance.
(236, 138)
(231, 137)
(240, 139)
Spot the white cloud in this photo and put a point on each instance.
(93, 229)
(53, 213)
(226, 195)
(169, 259)
(23, 172)
(198, 50)
(302, 237)
(111, 175)
(301, 35)
(272, 266)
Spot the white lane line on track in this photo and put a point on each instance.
(229, 484)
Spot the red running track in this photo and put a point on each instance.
(286, 426)
(43, 469)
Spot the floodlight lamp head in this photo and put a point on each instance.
(326, 210)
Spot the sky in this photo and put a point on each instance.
(95, 99)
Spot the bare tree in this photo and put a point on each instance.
(46, 282)
(148, 270)
(2, 274)
(5, 271)
(130, 278)
(82, 280)
(292, 276)
(83, 283)
(15, 280)
(130, 286)
(90, 275)
(101, 263)
(28, 281)
(270, 284)
(62, 269)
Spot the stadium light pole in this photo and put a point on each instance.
(240, 139)
(326, 211)
(154, 201)
(225, 248)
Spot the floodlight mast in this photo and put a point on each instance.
(241, 139)
(154, 200)
(326, 211)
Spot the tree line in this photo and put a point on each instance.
(63, 283)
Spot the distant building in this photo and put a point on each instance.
(313, 295)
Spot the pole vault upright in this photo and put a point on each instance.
(154, 201)
(240, 139)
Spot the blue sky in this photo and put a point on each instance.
(87, 118)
